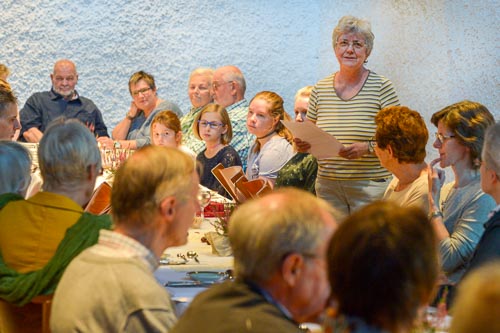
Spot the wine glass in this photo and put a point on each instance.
(203, 199)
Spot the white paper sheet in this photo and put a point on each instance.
(323, 145)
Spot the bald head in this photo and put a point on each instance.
(64, 78)
(264, 230)
(229, 85)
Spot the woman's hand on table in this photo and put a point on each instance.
(354, 151)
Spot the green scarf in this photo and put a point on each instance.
(20, 288)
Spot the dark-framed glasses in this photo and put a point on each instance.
(212, 124)
(141, 91)
(443, 138)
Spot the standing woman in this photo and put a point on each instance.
(200, 94)
(459, 209)
(272, 148)
(345, 104)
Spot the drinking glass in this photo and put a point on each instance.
(204, 199)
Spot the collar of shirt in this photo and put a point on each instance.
(113, 244)
(243, 102)
(494, 211)
(270, 299)
(54, 95)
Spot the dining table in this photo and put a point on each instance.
(177, 263)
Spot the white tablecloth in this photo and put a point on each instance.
(208, 262)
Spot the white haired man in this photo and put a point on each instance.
(279, 243)
(229, 88)
(153, 203)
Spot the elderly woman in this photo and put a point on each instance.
(382, 267)
(200, 94)
(134, 130)
(15, 163)
(344, 104)
(400, 141)
(300, 171)
(459, 209)
(272, 148)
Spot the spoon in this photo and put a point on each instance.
(193, 255)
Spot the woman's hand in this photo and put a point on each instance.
(302, 146)
(133, 110)
(354, 151)
(436, 178)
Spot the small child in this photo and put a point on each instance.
(213, 126)
(166, 131)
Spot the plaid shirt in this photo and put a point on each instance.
(116, 245)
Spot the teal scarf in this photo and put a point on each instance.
(20, 288)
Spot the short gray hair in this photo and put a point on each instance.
(233, 73)
(491, 149)
(15, 163)
(264, 231)
(351, 24)
(66, 152)
(202, 71)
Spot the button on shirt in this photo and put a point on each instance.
(43, 107)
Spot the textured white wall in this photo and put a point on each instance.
(436, 52)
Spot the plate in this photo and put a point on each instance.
(207, 277)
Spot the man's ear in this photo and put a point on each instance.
(168, 207)
(291, 268)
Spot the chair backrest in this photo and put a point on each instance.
(100, 202)
(33, 317)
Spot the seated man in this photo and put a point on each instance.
(9, 123)
(110, 287)
(62, 100)
(279, 243)
(229, 87)
(39, 236)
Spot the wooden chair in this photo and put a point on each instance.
(33, 317)
(100, 202)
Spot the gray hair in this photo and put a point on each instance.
(264, 231)
(233, 73)
(351, 24)
(202, 71)
(491, 149)
(66, 152)
(15, 163)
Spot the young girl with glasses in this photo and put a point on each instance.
(213, 126)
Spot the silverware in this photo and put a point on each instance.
(193, 255)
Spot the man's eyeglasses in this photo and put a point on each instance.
(443, 138)
(216, 85)
(212, 124)
(344, 44)
(141, 91)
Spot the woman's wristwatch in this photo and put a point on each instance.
(434, 214)
(371, 146)
(129, 117)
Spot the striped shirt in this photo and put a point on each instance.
(188, 138)
(351, 121)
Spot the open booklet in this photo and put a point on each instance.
(323, 145)
(237, 185)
